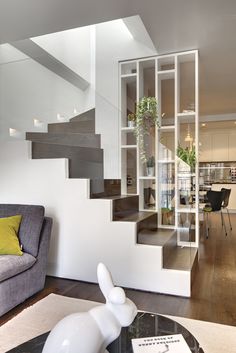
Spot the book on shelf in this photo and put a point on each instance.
(161, 344)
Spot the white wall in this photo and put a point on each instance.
(75, 48)
(28, 90)
(9, 54)
(71, 47)
(113, 43)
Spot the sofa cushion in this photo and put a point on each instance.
(31, 224)
(11, 265)
(9, 242)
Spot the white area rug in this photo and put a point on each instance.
(42, 316)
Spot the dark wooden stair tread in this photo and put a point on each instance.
(131, 216)
(116, 197)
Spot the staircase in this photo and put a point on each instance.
(76, 140)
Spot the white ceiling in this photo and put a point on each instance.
(22, 19)
(174, 25)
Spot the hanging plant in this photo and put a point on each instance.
(146, 119)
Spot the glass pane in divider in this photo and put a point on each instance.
(129, 68)
(166, 194)
(148, 194)
(129, 170)
(186, 136)
(148, 169)
(186, 227)
(147, 78)
(186, 65)
(128, 99)
(186, 165)
(166, 63)
(186, 180)
(128, 138)
(166, 146)
(166, 99)
(186, 189)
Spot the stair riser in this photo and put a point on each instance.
(158, 237)
(125, 204)
(84, 162)
(44, 150)
(194, 269)
(148, 223)
(104, 188)
(80, 140)
(85, 169)
(169, 248)
(80, 127)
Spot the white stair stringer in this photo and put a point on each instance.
(83, 231)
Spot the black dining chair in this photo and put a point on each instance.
(214, 204)
(225, 203)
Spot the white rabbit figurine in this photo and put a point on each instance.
(93, 331)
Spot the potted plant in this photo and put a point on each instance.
(146, 119)
(150, 165)
(131, 119)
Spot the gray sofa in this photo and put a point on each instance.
(23, 276)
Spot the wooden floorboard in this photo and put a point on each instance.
(213, 293)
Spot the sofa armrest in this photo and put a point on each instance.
(44, 244)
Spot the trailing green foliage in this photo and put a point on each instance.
(146, 118)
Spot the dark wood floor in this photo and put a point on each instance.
(213, 293)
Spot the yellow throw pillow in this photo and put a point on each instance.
(9, 242)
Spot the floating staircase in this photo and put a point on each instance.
(76, 140)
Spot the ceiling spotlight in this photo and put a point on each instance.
(203, 124)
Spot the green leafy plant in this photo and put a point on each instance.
(131, 117)
(188, 155)
(151, 162)
(146, 119)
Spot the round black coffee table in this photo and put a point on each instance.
(144, 325)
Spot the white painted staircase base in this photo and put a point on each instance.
(83, 231)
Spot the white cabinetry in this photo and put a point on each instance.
(220, 147)
(217, 146)
(205, 154)
(232, 147)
